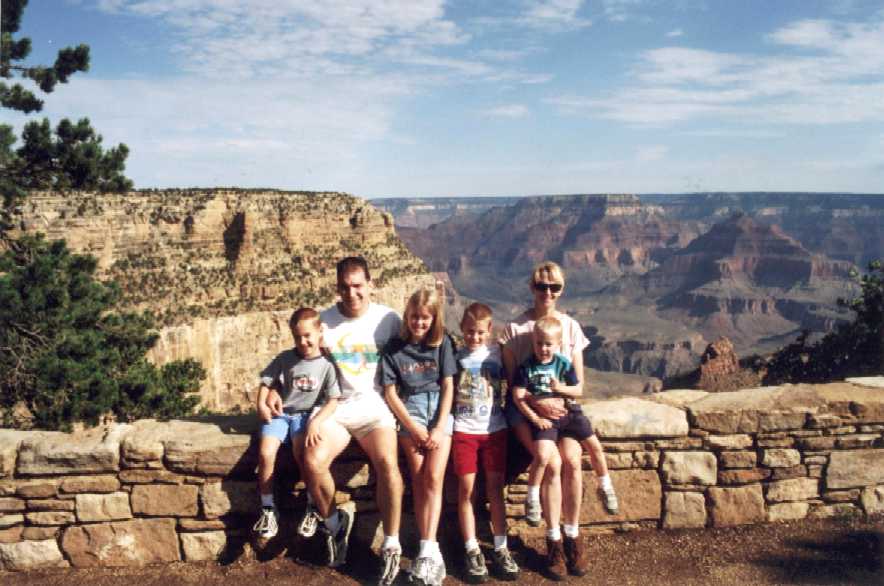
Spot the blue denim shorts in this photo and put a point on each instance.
(423, 408)
(285, 426)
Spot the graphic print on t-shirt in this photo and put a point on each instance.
(476, 391)
(305, 383)
(354, 359)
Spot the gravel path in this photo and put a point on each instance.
(824, 552)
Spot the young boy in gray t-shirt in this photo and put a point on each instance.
(307, 382)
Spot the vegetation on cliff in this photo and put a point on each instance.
(65, 354)
(853, 349)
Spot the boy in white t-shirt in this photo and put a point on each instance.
(480, 433)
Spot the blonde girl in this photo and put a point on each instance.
(416, 373)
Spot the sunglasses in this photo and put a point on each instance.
(551, 287)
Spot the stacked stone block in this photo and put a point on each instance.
(154, 492)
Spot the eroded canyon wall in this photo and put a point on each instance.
(222, 269)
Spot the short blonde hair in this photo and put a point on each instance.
(476, 312)
(549, 326)
(432, 300)
(548, 272)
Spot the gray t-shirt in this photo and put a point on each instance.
(302, 383)
(417, 368)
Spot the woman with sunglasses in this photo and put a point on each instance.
(547, 283)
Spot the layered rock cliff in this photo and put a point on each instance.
(223, 269)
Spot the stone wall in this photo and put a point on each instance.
(185, 490)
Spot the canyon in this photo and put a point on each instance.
(222, 270)
(655, 278)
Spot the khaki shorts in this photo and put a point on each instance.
(362, 413)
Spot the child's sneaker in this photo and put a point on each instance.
(389, 566)
(532, 513)
(477, 572)
(309, 522)
(427, 571)
(609, 499)
(504, 564)
(337, 543)
(267, 525)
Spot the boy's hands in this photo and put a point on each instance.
(554, 384)
(264, 412)
(312, 437)
(274, 403)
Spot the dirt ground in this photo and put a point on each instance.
(823, 552)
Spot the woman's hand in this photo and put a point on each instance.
(549, 407)
(542, 423)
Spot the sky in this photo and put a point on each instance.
(481, 97)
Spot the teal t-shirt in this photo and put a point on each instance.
(536, 377)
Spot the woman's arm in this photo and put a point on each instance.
(520, 396)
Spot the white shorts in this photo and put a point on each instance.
(362, 413)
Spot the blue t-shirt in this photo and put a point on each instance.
(417, 368)
(536, 377)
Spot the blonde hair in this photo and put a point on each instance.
(432, 300)
(549, 326)
(547, 271)
(476, 312)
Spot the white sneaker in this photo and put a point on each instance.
(389, 566)
(609, 499)
(267, 525)
(532, 513)
(309, 522)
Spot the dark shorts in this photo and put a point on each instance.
(467, 448)
(574, 424)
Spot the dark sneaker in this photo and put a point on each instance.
(555, 560)
(504, 565)
(609, 499)
(532, 513)
(574, 559)
(267, 525)
(309, 522)
(389, 566)
(477, 572)
(337, 543)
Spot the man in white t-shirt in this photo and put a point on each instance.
(356, 330)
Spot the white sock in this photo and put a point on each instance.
(499, 541)
(333, 523)
(605, 481)
(391, 542)
(471, 544)
(554, 533)
(426, 549)
(267, 501)
(437, 553)
(534, 493)
(571, 531)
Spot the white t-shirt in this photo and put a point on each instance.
(477, 397)
(356, 345)
(517, 337)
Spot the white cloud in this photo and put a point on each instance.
(675, 33)
(620, 10)
(832, 73)
(508, 111)
(650, 153)
(554, 13)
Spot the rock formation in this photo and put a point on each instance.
(223, 269)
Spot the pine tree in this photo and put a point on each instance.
(71, 156)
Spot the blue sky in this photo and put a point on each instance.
(487, 97)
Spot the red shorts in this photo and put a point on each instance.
(466, 448)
